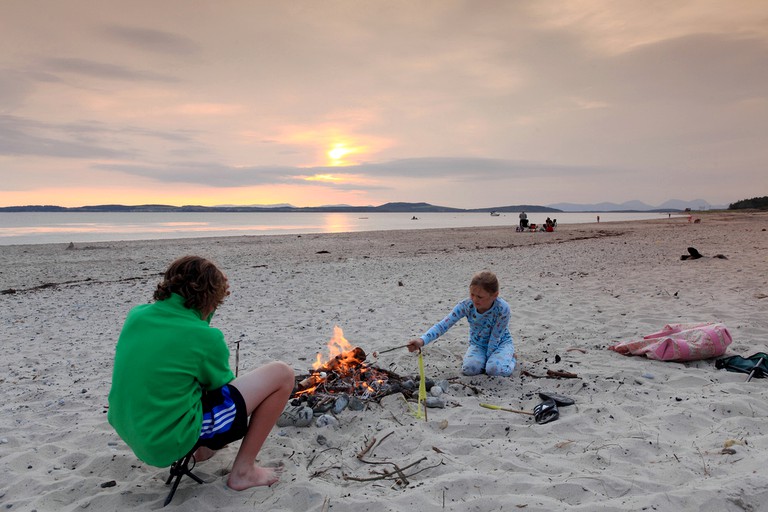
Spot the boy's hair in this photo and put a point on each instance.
(487, 280)
(198, 280)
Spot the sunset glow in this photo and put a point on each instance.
(224, 106)
(326, 178)
(337, 153)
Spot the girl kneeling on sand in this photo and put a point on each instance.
(490, 344)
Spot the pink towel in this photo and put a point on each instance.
(680, 342)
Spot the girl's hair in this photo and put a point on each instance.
(487, 280)
(198, 280)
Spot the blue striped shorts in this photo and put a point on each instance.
(225, 417)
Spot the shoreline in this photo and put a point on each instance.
(326, 247)
(88, 228)
(642, 434)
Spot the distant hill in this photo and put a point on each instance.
(530, 208)
(279, 205)
(385, 208)
(672, 205)
(760, 203)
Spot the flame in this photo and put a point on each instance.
(336, 347)
(343, 370)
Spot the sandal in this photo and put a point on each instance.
(560, 400)
(545, 412)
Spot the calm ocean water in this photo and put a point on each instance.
(65, 227)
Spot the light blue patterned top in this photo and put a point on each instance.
(487, 330)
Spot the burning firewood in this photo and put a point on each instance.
(351, 358)
(345, 374)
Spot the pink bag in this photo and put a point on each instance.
(680, 342)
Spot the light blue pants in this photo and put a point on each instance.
(499, 362)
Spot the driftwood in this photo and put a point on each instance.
(561, 374)
(367, 448)
(474, 389)
(371, 444)
(320, 453)
(551, 374)
(398, 475)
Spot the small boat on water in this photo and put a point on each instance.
(495, 214)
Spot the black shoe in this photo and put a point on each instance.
(560, 400)
(545, 412)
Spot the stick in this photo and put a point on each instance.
(422, 388)
(399, 472)
(561, 374)
(237, 357)
(383, 438)
(754, 370)
(370, 444)
(499, 408)
(391, 349)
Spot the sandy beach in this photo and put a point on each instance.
(642, 435)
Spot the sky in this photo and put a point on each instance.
(468, 104)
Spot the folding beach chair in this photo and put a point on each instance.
(755, 365)
(178, 469)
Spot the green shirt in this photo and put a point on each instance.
(165, 356)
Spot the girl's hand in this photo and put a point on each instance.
(415, 345)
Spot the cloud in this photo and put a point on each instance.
(102, 70)
(568, 100)
(17, 138)
(81, 140)
(156, 41)
(350, 177)
(697, 68)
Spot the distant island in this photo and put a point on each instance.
(671, 206)
(384, 208)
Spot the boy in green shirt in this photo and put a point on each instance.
(172, 387)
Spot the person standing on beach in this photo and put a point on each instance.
(523, 220)
(173, 390)
(491, 349)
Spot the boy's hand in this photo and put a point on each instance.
(415, 345)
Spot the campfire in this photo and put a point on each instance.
(345, 373)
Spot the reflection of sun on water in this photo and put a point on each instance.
(336, 223)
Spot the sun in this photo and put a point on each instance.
(337, 153)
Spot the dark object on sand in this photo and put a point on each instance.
(757, 368)
(545, 412)
(560, 400)
(755, 365)
(179, 469)
(693, 254)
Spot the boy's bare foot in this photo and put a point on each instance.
(253, 477)
(203, 453)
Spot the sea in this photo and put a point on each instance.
(20, 228)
